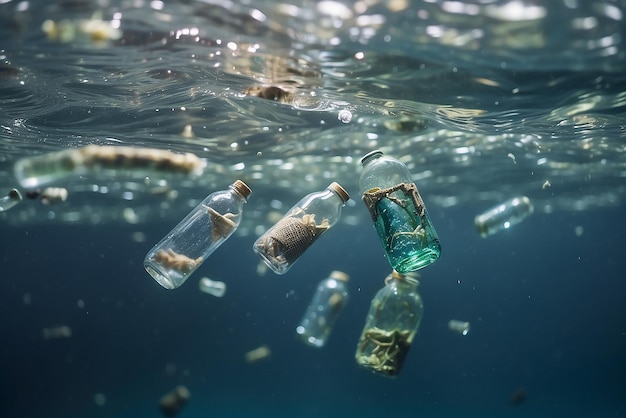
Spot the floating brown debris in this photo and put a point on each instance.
(35, 171)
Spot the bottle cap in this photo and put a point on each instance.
(411, 277)
(370, 155)
(339, 275)
(241, 188)
(334, 186)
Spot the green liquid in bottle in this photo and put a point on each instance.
(403, 225)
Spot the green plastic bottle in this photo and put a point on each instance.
(398, 212)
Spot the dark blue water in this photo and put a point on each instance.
(546, 307)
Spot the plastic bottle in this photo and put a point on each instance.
(281, 245)
(11, 199)
(392, 322)
(322, 313)
(203, 230)
(398, 212)
(503, 216)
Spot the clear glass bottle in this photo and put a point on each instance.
(392, 322)
(398, 212)
(203, 230)
(322, 313)
(281, 245)
(503, 216)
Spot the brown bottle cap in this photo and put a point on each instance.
(242, 188)
(334, 186)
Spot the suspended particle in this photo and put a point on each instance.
(461, 327)
(344, 116)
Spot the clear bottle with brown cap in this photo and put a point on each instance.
(281, 245)
(195, 238)
(392, 322)
(325, 307)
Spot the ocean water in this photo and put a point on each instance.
(483, 100)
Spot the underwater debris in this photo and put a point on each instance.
(257, 354)
(42, 169)
(503, 216)
(11, 199)
(212, 287)
(172, 402)
(460, 327)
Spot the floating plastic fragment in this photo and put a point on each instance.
(171, 404)
(36, 171)
(212, 287)
(257, 354)
(461, 327)
(503, 216)
(11, 199)
(52, 195)
(62, 331)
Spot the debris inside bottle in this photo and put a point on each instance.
(175, 261)
(62, 331)
(290, 237)
(384, 351)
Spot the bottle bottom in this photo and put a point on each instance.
(169, 279)
(414, 261)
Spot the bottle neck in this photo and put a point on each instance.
(371, 156)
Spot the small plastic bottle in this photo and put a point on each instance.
(203, 230)
(503, 216)
(11, 199)
(281, 245)
(322, 313)
(392, 322)
(398, 212)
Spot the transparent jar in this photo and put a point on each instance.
(398, 212)
(325, 307)
(392, 322)
(281, 245)
(503, 216)
(204, 229)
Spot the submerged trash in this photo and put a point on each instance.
(282, 245)
(398, 212)
(11, 199)
(503, 216)
(460, 327)
(173, 259)
(42, 169)
(322, 313)
(62, 331)
(257, 354)
(392, 322)
(171, 404)
(52, 195)
(212, 287)
(95, 30)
